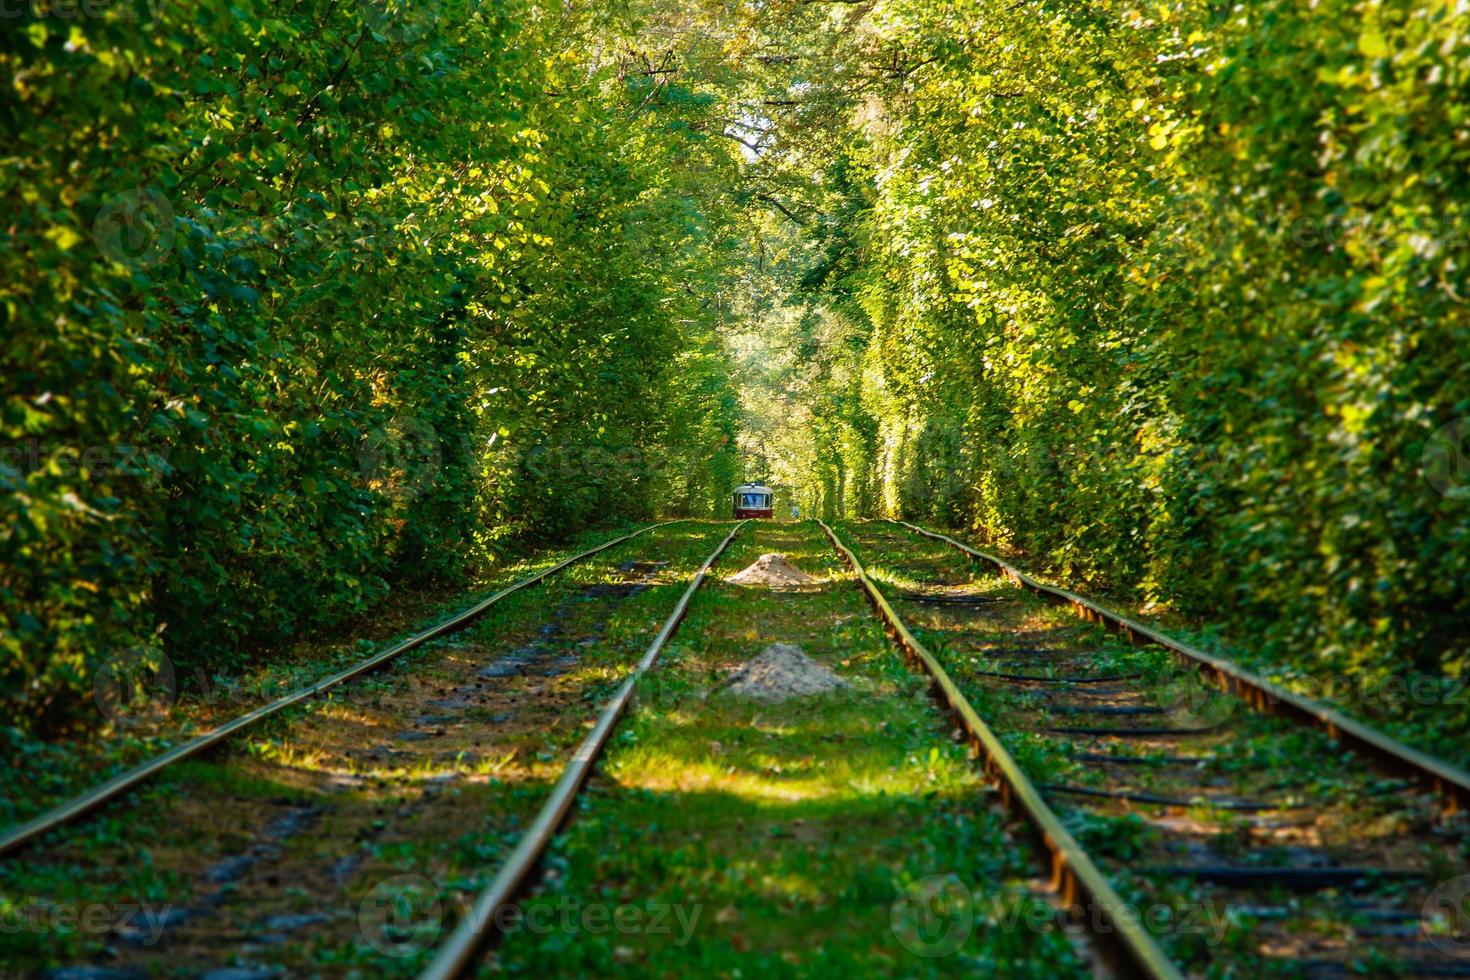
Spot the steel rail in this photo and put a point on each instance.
(483, 919)
(125, 781)
(1450, 782)
(1078, 881)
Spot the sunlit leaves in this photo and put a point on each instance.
(383, 272)
(1180, 291)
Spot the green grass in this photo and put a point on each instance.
(1252, 755)
(38, 774)
(787, 834)
(150, 847)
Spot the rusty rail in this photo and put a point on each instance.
(1450, 782)
(1079, 883)
(477, 927)
(123, 782)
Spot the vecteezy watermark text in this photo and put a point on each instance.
(97, 461)
(140, 923)
(403, 915)
(112, 10)
(936, 915)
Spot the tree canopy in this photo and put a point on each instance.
(1167, 298)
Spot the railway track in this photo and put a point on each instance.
(483, 919)
(1448, 781)
(1178, 830)
(1076, 879)
(125, 782)
(784, 827)
(400, 763)
(1278, 836)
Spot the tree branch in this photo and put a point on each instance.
(782, 208)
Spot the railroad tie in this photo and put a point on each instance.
(1150, 798)
(1291, 879)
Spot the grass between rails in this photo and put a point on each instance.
(1427, 711)
(814, 838)
(38, 774)
(1344, 810)
(380, 775)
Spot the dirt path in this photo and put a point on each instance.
(295, 852)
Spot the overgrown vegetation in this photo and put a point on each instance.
(304, 301)
(821, 836)
(1170, 298)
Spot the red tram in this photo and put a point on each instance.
(753, 500)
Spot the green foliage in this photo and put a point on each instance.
(302, 303)
(1169, 298)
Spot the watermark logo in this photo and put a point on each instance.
(401, 459)
(1202, 230)
(135, 228)
(401, 916)
(1445, 917)
(1189, 700)
(933, 916)
(1445, 461)
(136, 687)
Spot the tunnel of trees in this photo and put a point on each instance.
(308, 302)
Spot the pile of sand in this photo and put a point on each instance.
(782, 672)
(773, 570)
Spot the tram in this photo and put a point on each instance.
(753, 500)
